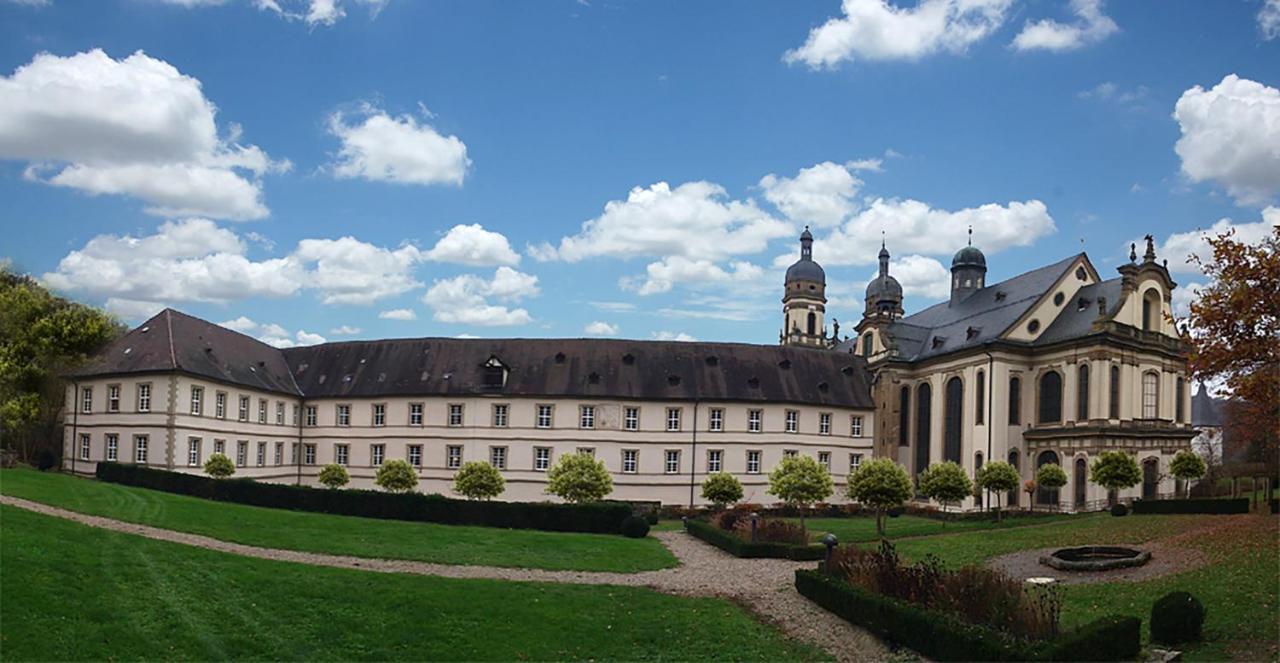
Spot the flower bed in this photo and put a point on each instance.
(732, 543)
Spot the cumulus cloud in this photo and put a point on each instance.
(465, 299)
(821, 195)
(311, 12)
(398, 314)
(135, 127)
(272, 334)
(672, 336)
(475, 246)
(1231, 136)
(133, 310)
(379, 147)
(349, 271)
(877, 30)
(1269, 19)
(599, 328)
(345, 330)
(1090, 26)
(918, 275)
(661, 276)
(1178, 247)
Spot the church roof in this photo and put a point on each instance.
(1206, 410)
(1079, 314)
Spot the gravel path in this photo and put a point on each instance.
(764, 586)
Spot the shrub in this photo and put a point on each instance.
(1177, 617)
(1114, 470)
(880, 484)
(772, 530)
(333, 476)
(801, 481)
(651, 517)
(635, 527)
(735, 545)
(1198, 505)
(945, 482)
(728, 520)
(1051, 476)
(46, 459)
(998, 477)
(1119, 510)
(579, 478)
(396, 476)
(1187, 465)
(478, 480)
(721, 488)
(219, 466)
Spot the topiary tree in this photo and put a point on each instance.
(1051, 476)
(1114, 470)
(478, 480)
(1177, 617)
(1188, 466)
(801, 481)
(1030, 487)
(880, 484)
(999, 477)
(579, 478)
(721, 489)
(219, 466)
(945, 482)
(396, 476)
(334, 475)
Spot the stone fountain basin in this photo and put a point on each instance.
(1095, 558)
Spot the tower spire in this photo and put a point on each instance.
(971, 234)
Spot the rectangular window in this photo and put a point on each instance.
(498, 457)
(113, 398)
(415, 414)
(144, 398)
(377, 454)
(855, 461)
(980, 399)
(793, 421)
(262, 454)
(455, 414)
(220, 405)
(789, 453)
(309, 454)
(587, 416)
(631, 418)
(311, 415)
(672, 461)
(293, 453)
(220, 447)
(630, 461)
(755, 421)
(113, 447)
(715, 460)
(244, 408)
(673, 418)
(262, 410)
(294, 419)
(84, 446)
(344, 415)
(86, 400)
(544, 416)
(279, 459)
(453, 457)
(197, 401)
(824, 423)
(140, 448)
(541, 458)
(855, 426)
(379, 414)
(753, 462)
(341, 454)
(279, 413)
(1150, 395)
(824, 459)
(415, 455)
(242, 453)
(193, 452)
(715, 419)
(500, 415)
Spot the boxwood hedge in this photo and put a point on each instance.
(1192, 505)
(734, 545)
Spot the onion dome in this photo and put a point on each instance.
(805, 269)
(969, 256)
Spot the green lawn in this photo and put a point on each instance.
(342, 535)
(72, 592)
(858, 529)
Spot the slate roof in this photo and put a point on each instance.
(1206, 410)
(1078, 314)
(603, 368)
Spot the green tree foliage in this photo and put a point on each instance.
(41, 338)
(579, 478)
(219, 466)
(1114, 470)
(478, 480)
(396, 476)
(801, 481)
(334, 475)
(880, 484)
(721, 489)
(945, 482)
(998, 477)
(1051, 476)
(1187, 465)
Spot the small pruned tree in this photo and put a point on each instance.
(880, 484)
(334, 475)
(1114, 470)
(396, 476)
(578, 478)
(721, 489)
(998, 477)
(478, 480)
(219, 466)
(945, 482)
(1051, 476)
(801, 481)
(1188, 466)
(1030, 487)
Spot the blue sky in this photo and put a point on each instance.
(219, 151)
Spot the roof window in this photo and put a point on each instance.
(785, 364)
(1000, 295)
(754, 383)
(559, 357)
(713, 360)
(673, 380)
(594, 378)
(972, 332)
(628, 359)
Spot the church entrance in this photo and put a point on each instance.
(1047, 496)
(1150, 478)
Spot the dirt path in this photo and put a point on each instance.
(765, 586)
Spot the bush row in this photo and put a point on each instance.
(735, 545)
(600, 518)
(1219, 506)
(945, 637)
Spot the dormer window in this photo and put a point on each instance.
(1000, 295)
(785, 364)
(713, 360)
(628, 359)
(673, 380)
(593, 378)
(559, 357)
(971, 333)
(1082, 303)
(939, 341)
(495, 373)
(754, 383)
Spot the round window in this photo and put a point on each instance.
(1033, 326)
(1057, 299)
(1080, 273)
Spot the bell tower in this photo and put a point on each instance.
(804, 299)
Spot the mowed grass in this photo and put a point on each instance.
(858, 529)
(72, 592)
(340, 535)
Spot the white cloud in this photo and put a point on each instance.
(876, 30)
(1109, 91)
(306, 338)
(272, 334)
(345, 330)
(735, 308)
(312, 12)
(918, 276)
(398, 314)
(1231, 136)
(599, 328)
(132, 310)
(822, 195)
(1178, 247)
(31, 3)
(661, 276)
(615, 307)
(349, 271)
(379, 147)
(475, 246)
(1269, 19)
(465, 299)
(672, 336)
(1091, 26)
(136, 127)
(1183, 295)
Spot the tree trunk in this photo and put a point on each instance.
(880, 522)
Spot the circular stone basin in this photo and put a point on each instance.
(1095, 558)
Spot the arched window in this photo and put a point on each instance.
(977, 465)
(1115, 392)
(1050, 398)
(980, 399)
(1015, 401)
(924, 396)
(813, 323)
(904, 416)
(1150, 395)
(1082, 393)
(1081, 475)
(1046, 495)
(1178, 393)
(866, 344)
(953, 420)
(1151, 310)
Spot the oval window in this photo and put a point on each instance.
(1033, 326)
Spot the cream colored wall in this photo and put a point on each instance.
(1046, 311)
(1130, 312)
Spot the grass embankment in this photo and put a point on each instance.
(73, 592)
(340, 535)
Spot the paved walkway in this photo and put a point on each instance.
(764, 586)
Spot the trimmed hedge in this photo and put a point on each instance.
(945, 637)
(600, 518)
(1217, 506)
(734, 545)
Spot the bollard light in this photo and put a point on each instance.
(829, 540)
(754, 518)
